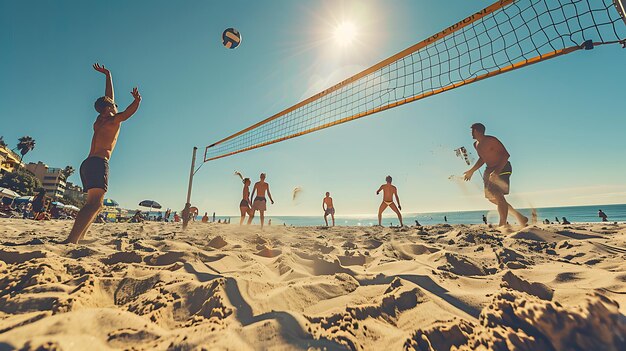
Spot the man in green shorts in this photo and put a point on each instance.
(497, 174)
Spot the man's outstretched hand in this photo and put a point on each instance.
(101, 69)
(468, 175)
(135, 94)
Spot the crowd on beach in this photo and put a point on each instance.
(40, 208)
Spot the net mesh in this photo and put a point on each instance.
(504, 36)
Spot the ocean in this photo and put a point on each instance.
(615, 213)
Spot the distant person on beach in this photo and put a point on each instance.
(388, 193)
(137, 217)
(205, 218)
(244, 204)
(94, 171)
(269, 223)
(497, 174)
(39, 203)
(445, 219)
(260, 203)
(176, 217)
(213, 216)
(417, 223)
(168, 213)
(484, 219)
(328, 208)
(565, 221)
(602, 215)
(27, 210)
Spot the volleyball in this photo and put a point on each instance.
(231, 38)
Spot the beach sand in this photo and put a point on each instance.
(224, 287)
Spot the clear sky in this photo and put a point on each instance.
(561, 120)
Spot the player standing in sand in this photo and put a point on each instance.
(244, 204)
(329, 208)
(260, 203)
(94, 171)
(497, 174)
(388, 192)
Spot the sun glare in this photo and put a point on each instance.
(345, 33)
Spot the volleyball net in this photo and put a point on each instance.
(506, 35)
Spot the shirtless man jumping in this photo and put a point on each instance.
(260, 203)
(388, 192)
(94, 171)
(329, 209)
(497, 174)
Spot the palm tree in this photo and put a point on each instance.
(68, 171)
(26, 144)
(2, 143)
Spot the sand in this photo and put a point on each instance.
(224, 287)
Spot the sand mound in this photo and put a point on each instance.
(511, 259)
(419, 249)
(542, 291)
(268, 252)
(519, 321)
(459, 264)
(218, 242)
(357, 260)
(12, 257)
(542, 235)
(123, 257)
(347, 328)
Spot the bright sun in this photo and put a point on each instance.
(345, 33)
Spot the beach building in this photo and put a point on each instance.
(9, 160)
(52, 179)
(74, 191)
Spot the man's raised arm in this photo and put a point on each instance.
(108, 90)
(131, 109)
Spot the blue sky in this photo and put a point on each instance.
(561, 120)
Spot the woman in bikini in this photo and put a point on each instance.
(244, 205)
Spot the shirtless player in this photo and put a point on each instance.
(329, 208)
(497, 174)
(260, 203)
(94, 171)
(388, 192)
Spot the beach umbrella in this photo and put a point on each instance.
(4, 192)
(110, 202)
(151, 204)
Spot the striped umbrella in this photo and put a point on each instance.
(110, 202)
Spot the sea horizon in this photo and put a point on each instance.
(574, 214)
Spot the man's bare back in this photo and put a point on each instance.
(491, 151)
(260, 188)
(388, 192)
(329, 202)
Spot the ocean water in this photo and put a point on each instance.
(615, 213)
